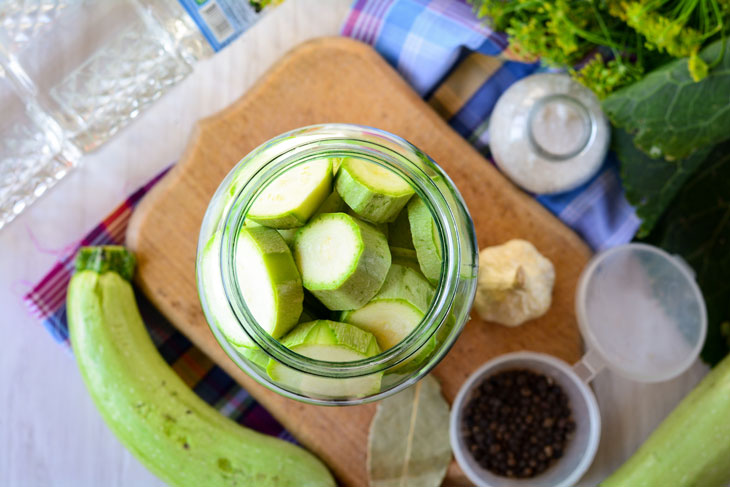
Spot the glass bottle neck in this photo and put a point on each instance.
(559, 127)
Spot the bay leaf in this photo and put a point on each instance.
(408, 444)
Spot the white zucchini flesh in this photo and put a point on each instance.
(324, 387)
(397, 309)
(332, 342)
(327, 252)
(389, 320)
(269, 279)
(292, 198)
(376, 176)
(343, 261)
(375, 193)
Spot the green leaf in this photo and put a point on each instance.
(697, 227)
(669, 113)
(651, 184)
(409, 438)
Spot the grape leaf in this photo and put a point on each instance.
(670, 114)
(408, 444)
(651, 184)
(697, 226)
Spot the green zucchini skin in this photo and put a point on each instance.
(425, 240)
(174, 433)
(691, 447)
(371, 204)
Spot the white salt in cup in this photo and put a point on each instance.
(641, 315)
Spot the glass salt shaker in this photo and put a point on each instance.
(548, 133)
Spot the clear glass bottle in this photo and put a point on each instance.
(403, 364)
(74, 72)
(548, 134)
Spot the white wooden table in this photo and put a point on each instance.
(50, 433)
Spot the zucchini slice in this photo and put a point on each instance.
(397, 309)
(288, 235)
(382, 227)
(255, 355)
(336, 163)
(405, 257)
(329, 341)
(291, 199)
(269, 279)
(425, 239)
(375, 193)
(399, 231)
(343, 261)
(332, 204)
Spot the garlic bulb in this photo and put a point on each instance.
(515, 283)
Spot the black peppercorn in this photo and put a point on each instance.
(517, 423)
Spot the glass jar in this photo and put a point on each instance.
(548, 134)
(320, 382)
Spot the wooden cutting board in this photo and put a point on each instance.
(341, 80)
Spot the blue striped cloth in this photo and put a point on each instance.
(461, 67)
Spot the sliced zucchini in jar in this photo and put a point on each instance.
(269, 280)
(382, 227)
(343, 261)
(405, 257)
(397, 309)
(288, 235)
(425, 239)
(329, 341)
(212, 287)
(292, 198)
(336, 163)
(255, 355)
(399, 231)
(332, 204)
(375, 193)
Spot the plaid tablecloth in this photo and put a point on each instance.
(460, 67)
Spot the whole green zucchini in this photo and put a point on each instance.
(691, 447)
(152, 411)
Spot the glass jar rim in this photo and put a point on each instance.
(586, 117)
(386, 150)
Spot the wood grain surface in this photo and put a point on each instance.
(341, 80)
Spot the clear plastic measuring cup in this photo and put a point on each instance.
(641, 315)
